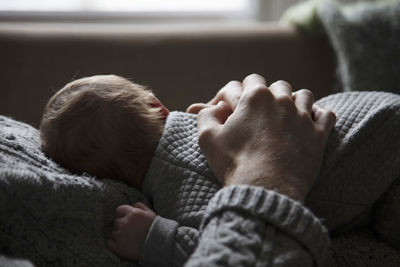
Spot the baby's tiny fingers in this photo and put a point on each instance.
(117, 225)
(111, 244)
(141, 206)
(122, 210)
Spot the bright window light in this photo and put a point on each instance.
(125, 5)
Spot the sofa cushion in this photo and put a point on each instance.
(366, 40)
(365, 37)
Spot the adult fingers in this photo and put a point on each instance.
(230, 94)
(304, 100)
(281, 88)
(210, 120)
(253, 81)
(196, 108)
(324, 119)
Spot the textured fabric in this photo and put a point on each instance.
(360, 164)
(163, 231)
(48, 215)
(178, 182)
(387, 215)
(361, 248)
(52, 217)
(365, 37)
(361, 160)
(8, 262)
(251, 226)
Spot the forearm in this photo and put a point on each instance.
(250, 226)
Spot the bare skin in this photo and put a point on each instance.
(130, 230)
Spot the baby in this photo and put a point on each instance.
(112, 128)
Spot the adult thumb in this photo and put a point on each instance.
(209, 122)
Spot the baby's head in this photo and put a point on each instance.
(104, 125)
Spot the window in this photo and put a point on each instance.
(142, 10)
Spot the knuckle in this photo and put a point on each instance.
(132, 216)
(282, 83)
(285, 102)
(205, 136)
(234, 83)
(304, 115)
(202, 113)
(306, 93)
(121, 209)
(258, 93)
(252, 76)
(258, 90)
(228, 87)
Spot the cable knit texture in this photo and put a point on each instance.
(250, 226)
(277, 210)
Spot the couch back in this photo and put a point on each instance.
(182, 64)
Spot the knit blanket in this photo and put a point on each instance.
(55, 218)
(365, 37)
(49, 215)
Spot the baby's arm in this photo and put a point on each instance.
(139, 234)
(168, 244)
(130, 230)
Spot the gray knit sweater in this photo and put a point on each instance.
(245, 225)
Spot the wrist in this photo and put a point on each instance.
(252, 174)
(157, 249)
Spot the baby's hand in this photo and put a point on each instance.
(130, 230)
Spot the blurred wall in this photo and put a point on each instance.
(182, 64)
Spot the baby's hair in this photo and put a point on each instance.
(103, 125)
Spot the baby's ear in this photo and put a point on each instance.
(156, 103)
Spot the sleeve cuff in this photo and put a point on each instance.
(278, 210)
(158, 247)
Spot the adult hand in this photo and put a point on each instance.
(230, 93)
(273, 139)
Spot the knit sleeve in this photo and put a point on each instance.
(251, 226)
(168, 244)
